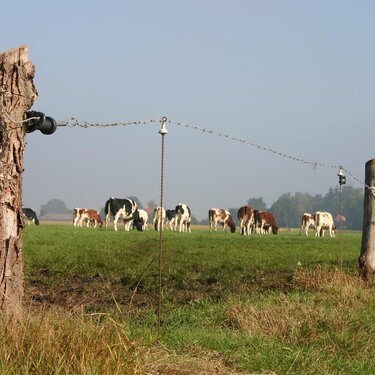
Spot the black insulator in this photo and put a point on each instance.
(39, 121)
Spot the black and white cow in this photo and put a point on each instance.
(122, 208)
(183, 217)
(140, 216)
(171, 220)
(30, 216)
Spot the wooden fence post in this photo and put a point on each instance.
(367, 258)
(17, 94)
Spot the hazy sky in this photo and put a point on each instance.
(294, 76)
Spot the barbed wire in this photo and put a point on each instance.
(315, 164)
(73, 122)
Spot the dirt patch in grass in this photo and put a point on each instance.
(93, 294)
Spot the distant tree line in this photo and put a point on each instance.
(287, 210)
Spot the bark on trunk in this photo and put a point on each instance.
(17, 94)
(367, 257)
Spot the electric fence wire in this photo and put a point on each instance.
(73, 122)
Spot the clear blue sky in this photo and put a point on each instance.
(295, 76)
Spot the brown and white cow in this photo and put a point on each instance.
(324, 220)
(219, 215)
(307, 221)
(265, 222)
(76, 215)
(92, 217)
(245, 215)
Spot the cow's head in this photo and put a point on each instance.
(232, 227)
(275, 229)
(138, 221)
(138, 224)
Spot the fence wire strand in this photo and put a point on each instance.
(314, 164)
(73, 122)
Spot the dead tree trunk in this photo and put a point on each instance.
(367, 257)
(17, 94)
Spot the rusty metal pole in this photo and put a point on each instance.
(163, 131)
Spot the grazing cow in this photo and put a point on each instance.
(171, 220)
(183, 217)
(307, 221)
(76, 216)
(141, 216)
(121, 208)
(245, 215)
(92, 217)
(219, 215)
(30, 215)
(265, 222)
(158, 219)
(324, 220)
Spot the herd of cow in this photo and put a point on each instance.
(251, 221)
(127, 210)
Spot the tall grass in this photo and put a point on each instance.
(231, 304)
(54, 342)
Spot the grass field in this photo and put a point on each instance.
(270, 304)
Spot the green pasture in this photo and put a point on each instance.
(272, 304)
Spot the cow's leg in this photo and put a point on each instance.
(247, 227)
(251, 226)
(107, 219)
(115, 221)
(330, 231)
(128, 224)
(261, 227)
(215, 225)
(212, 225)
